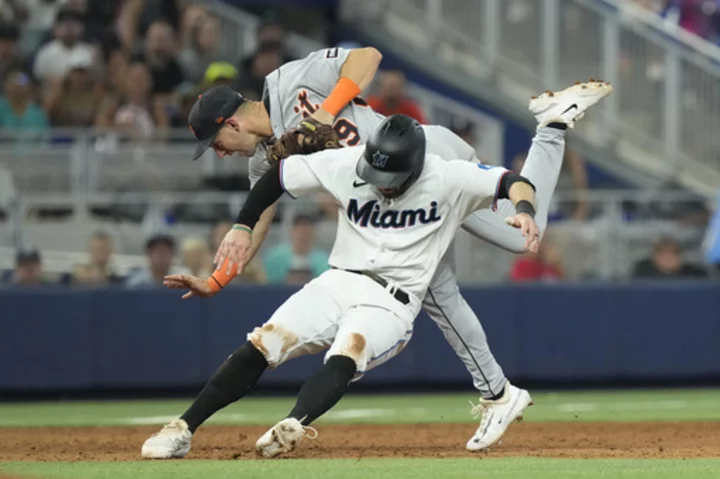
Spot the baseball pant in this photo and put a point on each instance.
(348, 314)
(444, 303)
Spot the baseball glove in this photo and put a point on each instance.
(307, 137)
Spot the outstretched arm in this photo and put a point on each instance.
(356, 74)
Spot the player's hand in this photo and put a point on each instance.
(529, 229)
(197, 286)
(235, 247)
(323, 116)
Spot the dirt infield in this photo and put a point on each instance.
(569, 440)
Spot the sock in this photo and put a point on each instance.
(230, 382)
(498, 395)
(323, 389)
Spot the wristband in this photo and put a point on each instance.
(219, 279)
(524, 206)
(344, 92)
(242, 228)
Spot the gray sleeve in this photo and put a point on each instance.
(318, 71)
(446, 144)
(257, 166)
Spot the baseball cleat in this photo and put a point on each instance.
(568, 105)
(496, 416)
(173, 441)
(283, 437)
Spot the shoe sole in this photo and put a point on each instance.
(516, 415)
(178, 455)
(595, 88)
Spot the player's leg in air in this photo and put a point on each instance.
(310, 321)
(501, 403)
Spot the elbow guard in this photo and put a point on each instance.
(508, 180)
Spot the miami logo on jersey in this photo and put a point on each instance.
(369, 213)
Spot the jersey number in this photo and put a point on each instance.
(347, 131)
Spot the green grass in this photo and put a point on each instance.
(520, 468)
(685, 405)
(663, 405)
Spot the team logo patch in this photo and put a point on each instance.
(379, 159)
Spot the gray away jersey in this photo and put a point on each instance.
(298, 88)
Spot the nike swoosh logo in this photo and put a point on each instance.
(357, 184)
(574, 105)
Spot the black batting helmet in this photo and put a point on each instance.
(394, 155)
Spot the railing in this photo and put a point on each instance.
(621, 228)
(665, 113)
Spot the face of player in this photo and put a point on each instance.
(235, 137)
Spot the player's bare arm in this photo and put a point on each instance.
(356, 75)
(522, 195)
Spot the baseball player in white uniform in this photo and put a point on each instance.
(400, 206)
(325, 86)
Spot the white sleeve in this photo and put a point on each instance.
(476, 186)
(302, 174)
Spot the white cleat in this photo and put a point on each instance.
(496, 416)
(283, 437)
(568, 105)
(173, 441)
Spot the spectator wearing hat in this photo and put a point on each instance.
(202, 49)
(160, 250)
(298, 261)
(73, 101)
(28, 269)
(220, 73)
(55, 58)
(9, 55)
(18, 110)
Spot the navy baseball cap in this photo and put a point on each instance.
(209, 113)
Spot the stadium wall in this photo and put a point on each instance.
(120, 339)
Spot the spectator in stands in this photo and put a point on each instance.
(392, 97)
(711, 244)
(202, 49)
(196, 257)
(73, 101)
(545, 266)
(99, 270)
(270, 35)
(152, 11)
(9, 55)
(220, 73)
(192, 17)
(28, 269)
(18, 110)
(136, 110)
(159, 55)
(700, 17)
(267, 59)
(298, 261)
(253, 273)
(54, 59)
(667, 262)
(159, 250)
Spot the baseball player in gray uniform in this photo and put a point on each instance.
(325, 87)
(400, 207)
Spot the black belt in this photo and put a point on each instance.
(398, 294)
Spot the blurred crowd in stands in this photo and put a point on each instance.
(699, 17)
(138, 65)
